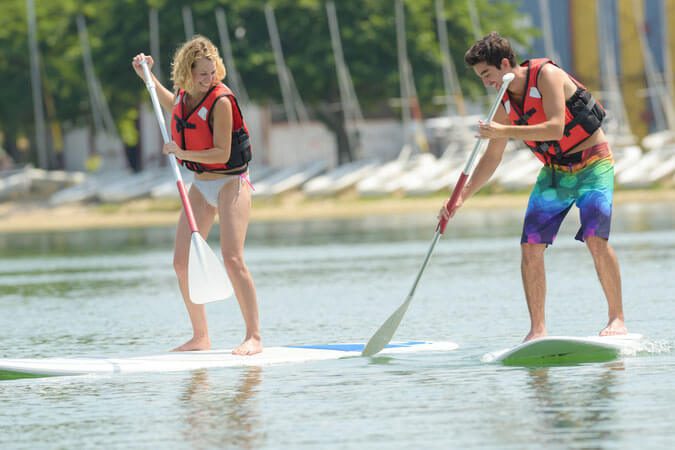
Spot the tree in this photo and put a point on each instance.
(118, 29)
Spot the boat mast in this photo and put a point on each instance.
(36, 84)
(662, 106)
(665, 43)
(608, 70)
(410, 107)
(351, 109)
(293, 105)
(103, 120)
(154, 42)
(475, 21)
(547, 27)
(233, 77)
(188, 23)
(453, 92)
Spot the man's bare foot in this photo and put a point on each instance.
(250, 346)
(194, 344)
(534, 335)
(614, 327)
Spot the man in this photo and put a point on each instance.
(560, 121)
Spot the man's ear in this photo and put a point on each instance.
(505, 64)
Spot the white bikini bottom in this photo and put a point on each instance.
(211, 188)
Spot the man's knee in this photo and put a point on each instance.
(532, 252)
(596, 244)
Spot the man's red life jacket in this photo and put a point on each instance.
(583, 116)
(192, 130)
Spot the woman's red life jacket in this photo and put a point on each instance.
(583, 115)
(193, 131)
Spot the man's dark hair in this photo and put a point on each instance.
(491, 50)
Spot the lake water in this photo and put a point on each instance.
(113, 293)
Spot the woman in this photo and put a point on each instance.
(210, 138)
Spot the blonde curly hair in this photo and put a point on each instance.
(184, 59)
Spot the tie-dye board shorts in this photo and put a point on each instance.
(589, 185)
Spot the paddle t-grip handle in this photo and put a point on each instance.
(461, 182)
(182, 191)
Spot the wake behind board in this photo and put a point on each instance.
(560, 350)
(11, 369)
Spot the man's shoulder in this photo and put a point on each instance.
(551, 73)
(551, 68)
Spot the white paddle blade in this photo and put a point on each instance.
(207, 278)
(384, 334)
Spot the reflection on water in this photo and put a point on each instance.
(574, 407)
(218, 416)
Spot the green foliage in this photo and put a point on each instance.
(118, 29)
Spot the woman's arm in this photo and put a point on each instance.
(165, 96)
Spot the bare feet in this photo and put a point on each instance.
(614, 327)
(194, 344)
(535, 335)
(250, 346)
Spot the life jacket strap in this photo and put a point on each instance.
(586, 112)
(522, 120)
(182, 124)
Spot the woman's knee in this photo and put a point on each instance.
(180, 263)
(234, 261)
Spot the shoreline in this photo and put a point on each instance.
(34, 216)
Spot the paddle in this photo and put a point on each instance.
(207, 278)
(384, 334)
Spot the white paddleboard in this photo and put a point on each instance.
(177, 361)
(551, 350)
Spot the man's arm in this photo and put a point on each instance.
(552, 88)
(490, 160)
(486, 166)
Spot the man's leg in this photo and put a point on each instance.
(596, 188)
(607, 268)
(534, 284)
(546, 209)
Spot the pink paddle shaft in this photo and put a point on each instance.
(453, 200)
(150, 84)
(186, 205)
(506, 80)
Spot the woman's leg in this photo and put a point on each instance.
(204, 216)
(234, 207)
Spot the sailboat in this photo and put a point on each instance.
(107, 142)
(349, 174)
(384, 180)
(659, 162)
(443, 173)
(616, 126)
(294, 177)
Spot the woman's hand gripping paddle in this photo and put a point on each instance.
(384, 334)
(207, 278)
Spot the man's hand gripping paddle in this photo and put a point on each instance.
(384, 334)
(207, 278)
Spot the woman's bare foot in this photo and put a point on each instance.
(614, 327)
(250, 346)
(194, 344)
